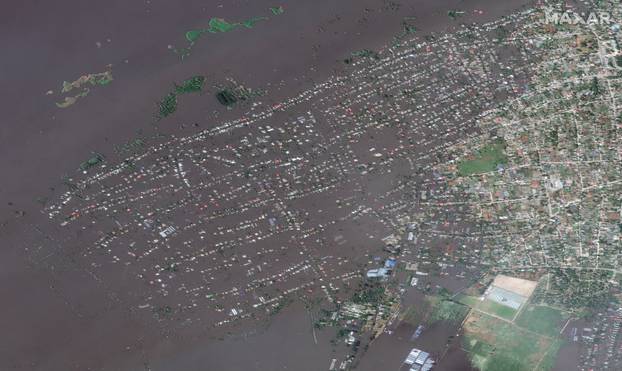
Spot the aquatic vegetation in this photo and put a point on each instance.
(95, 160)
(168, 104)
(191, 85)
(82, 83)
(103, 78)
(231, 95)
(226, 97)
(453, 14)
(193, 35)
(220, 25)
(277, 10)
(366, 53)
(250, 23)
(407, 29)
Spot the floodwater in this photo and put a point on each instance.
(441, 340)
(84, 326)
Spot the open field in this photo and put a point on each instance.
(498, 345)
(542, 319)
(517, 285)
(488, 306)
(484, 161)
(447, 310)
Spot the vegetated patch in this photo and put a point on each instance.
(453, 14)
(93, 79)
(548, 361)
(488, 306)
(277, 10)
(447, 310)
(369, 294)
(234, 93)
(479, 351)
(412, 316)
(486, 160)
(94, 160)
(366, 53)
(494, 344)
(191, 85)
(69, 101)
(578, 289)
(133, 145)
(542, 319)
(220, 25)
(82, 83)
(497, 309)
(168, 105)
(408, 28)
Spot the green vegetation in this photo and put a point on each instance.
(191, 85)
(471, 301)
(193, 35)
(82, 83)
(488, 306)
(552, 136)
(131, 145)
(407, 29)
(226, 97)
(577, 289)
(548, 361)
(544, 320)
(163, 312)
(215, 25)
(494, 344)
(447, 310)
(94, 79)
(485, 161)
(595, 86)
(478, 350)
(369, 294)
(250, 23)
(497, 309)
(366, 53)
(218, 25)
(412, 316)
(501, 33)
(453, 14)
(91, 162)
(229, 96)
(277, 10)
(168, 105)
(68, 101)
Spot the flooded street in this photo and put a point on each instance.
(62, 316)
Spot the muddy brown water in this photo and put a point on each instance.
(45, 43)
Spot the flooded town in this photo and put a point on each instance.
(448, 199)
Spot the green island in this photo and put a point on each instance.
(168, 104)
(82, 83)
(220, 25)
